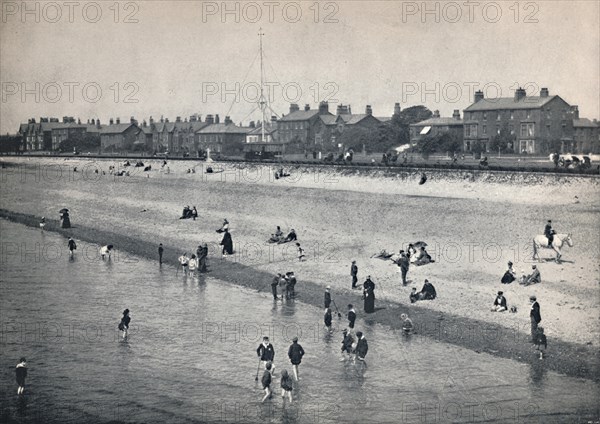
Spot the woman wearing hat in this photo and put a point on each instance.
(499, 303)
(510, 275)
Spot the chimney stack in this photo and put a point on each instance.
(397, 109)
(98, 123)
(151, 120)
(323, 108)
(456, 114)
(368, 110)
(294, 108)
(228, 120)
(520, 93)
(210, 120)
(110, 122)
(178, 119)
(118, 121)
(339, 109)
(217, 119)
(307, 107)
(544, 92)
(575, 111)
(252, 124)
(349, 109)
(273, 120)
(133, 120)
(478, 96)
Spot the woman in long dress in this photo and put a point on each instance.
(66, 221)
(227, 244)
(369, 295)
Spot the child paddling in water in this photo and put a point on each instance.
(266, 382)
(21, 373)
(286, 386)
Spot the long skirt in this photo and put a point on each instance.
(370, 303)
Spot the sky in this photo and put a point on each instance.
(109, 59)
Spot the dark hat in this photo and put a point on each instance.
(533, 266)
(500, 293)
(510, 263)
(350, 305)
(265, 338)
(358, 333)
(549, 221)
(22, 359)
(126, 311)
(532, 298)
(426, 280)
(401, 251)
(353, 262)
(295, 339)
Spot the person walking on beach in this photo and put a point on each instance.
(535, 317)
(124, 324)
(183, 262)
(327, 319)
(354, 274)
(403, 263)
(266, 382)
(72, 246)
(202, 258)
(160, 253)
(295, 353)
(301, 256)
(266, 353)
(286, 386)
(274, 285)
(327, 297)
(541, 340)
(351, 316)
(105, 251)
(43, 223)
(347, 342)
(407, 324)
(227, 244)
(21, 374)
(362, 347)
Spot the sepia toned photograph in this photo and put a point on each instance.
(308, 212)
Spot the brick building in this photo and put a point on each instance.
(437, 125)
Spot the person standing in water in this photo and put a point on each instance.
(21, 374)
(124, 324)
(266, 382)
(327, 297)
(361, 348)
(43, 223)
(347, 343)
(295, 353)
(105, 251)
(160, 253)
(72, 246)
(327, 319)
(266, 353)
(351, 316)
(286, 386)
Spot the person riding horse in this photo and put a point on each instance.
(549, 233)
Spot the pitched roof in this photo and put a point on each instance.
(223, 129)
(432, 122)
(116, 128)
(355, 118)
(384, 118)
(528, 102)
(300, 115)
(158, 126)
(258, 130)
(584, 123)
(328, 119)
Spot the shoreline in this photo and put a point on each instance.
(572, 359)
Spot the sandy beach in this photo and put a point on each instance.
(473, 223)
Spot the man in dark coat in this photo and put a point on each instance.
(290, 285)
(428, 291)
(202, 256)
(72, 246)
(274, 285)
(227, 243)
(535, 316)
(362, 347)
(160, 253)
(351, 316)
(403, 263)
(295, 353)
(549, 233)
(354, 274)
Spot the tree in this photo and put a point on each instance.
(80, 142)
(503, 142)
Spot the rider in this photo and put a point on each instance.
(549, 233)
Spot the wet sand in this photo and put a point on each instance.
(350, 210)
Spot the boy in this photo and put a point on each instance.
(301, 256)
(347, 343)
(266, 382)
(286, 385)
(21, 371)
(160, 253)
(351, 316)
(266, 353)
(407, 324)
(72, 246)
(327, 319)
(541, 340)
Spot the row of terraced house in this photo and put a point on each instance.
(535, 125)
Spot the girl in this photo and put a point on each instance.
(286, 385)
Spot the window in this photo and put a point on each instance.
(484, 131)
(527, 130)
(511, 128)
(497, 129)
(485, 116)
(498, 116)
(528, 114)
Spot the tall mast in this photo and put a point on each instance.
(263, 103)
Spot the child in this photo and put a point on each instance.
(105, 251)
(327, 319)
(347, 343)
(124, 324)
(43, 223)
(266, 382)
(301, 256)
(72, 246)
(21, 371)
(184, 261)
(286, 385)
(407, 324)
(541, 340)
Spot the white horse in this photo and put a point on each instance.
(558, 241)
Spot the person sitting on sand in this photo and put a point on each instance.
(194, 213)
(383, 255)
(277, 236)
(510, 275)
(411, 252)
(421, 257)
(186, 213)
(533, 278)
(290, 237)
(499, 303)
(428, 291)
(414, 296)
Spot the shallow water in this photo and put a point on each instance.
(190, 355)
